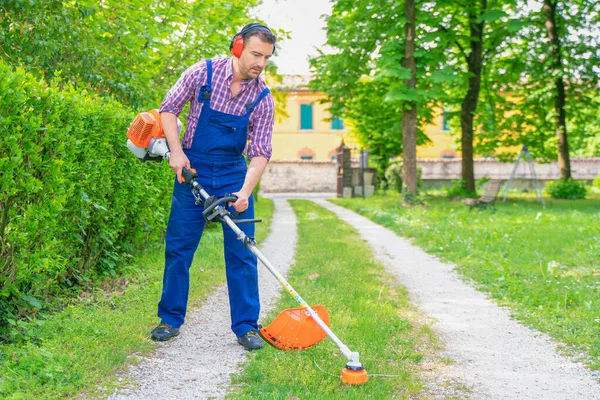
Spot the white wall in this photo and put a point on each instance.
(321, 176)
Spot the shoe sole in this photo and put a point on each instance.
(163, 339)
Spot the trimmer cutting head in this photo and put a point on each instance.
(354, 375)
(294, 329)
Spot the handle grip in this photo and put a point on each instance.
(188, 175)
(211, 205)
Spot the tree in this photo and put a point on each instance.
(409, 109)
(477, 31)
(559, 97)
(523, 102)
(362, 77)
(474, 66)
(131, 50)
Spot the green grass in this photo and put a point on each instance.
(83, 348)
(369, 312)
(542, 262)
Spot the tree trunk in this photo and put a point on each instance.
(559, 97)
(409, 109)
(469, 104)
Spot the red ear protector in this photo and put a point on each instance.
(237, 43)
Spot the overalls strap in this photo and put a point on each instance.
(250, 106)
(205, 90)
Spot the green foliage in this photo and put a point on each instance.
(566, 189)
(596, 182)
(518, 103)
(74, 203)
(459, 189)
(393, 176)
(409, 198)
(130, 49)
(363, 79)
(79, 350)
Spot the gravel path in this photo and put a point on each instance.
(199, 362)
(497, 357)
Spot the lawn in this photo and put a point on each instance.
(83, 348)
(369, 311)
(542, 262)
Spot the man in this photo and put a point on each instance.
(231, 110)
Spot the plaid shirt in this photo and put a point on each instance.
(260, 127)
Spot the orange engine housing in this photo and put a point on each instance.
(145, 126)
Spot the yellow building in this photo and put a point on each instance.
(442, 144)
(310, 132)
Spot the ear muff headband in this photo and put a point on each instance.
(237, 43)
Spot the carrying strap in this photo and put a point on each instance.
(250, 106)
(206, 90)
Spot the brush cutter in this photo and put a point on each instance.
(293, 329)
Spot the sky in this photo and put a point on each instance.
(302, 19)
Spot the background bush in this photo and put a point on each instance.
(458, 189)
(596, 183)
(74, 202)
(393, 176)
(566, 189)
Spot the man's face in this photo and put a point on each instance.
(254, 57)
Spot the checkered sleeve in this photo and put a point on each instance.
(184, 89)
(261, 129)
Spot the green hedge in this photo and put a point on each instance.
(566, 189)
(74, 202)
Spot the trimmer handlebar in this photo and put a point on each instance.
(213, 209)
(213, 202)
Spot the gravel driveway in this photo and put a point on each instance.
(497, 357)
(198, 363)
(494, 356)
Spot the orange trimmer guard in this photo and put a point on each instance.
(294, 329)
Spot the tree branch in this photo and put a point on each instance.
(456, 42)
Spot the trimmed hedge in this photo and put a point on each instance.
(74, 203)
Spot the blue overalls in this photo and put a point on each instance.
(216, 155)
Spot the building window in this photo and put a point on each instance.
(306, 157)
(445, 121)
(306, 116)
(337, 124)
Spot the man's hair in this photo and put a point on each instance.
(262, 32)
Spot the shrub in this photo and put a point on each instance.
(596, 183)
(393, 176)
(75, 203)
(566, 189)
(458, 189)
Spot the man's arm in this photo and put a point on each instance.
(255, 170)
(177, 97)
(178, 160)
(259, 149)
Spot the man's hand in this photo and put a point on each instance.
(241, 204)
(178, 161)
